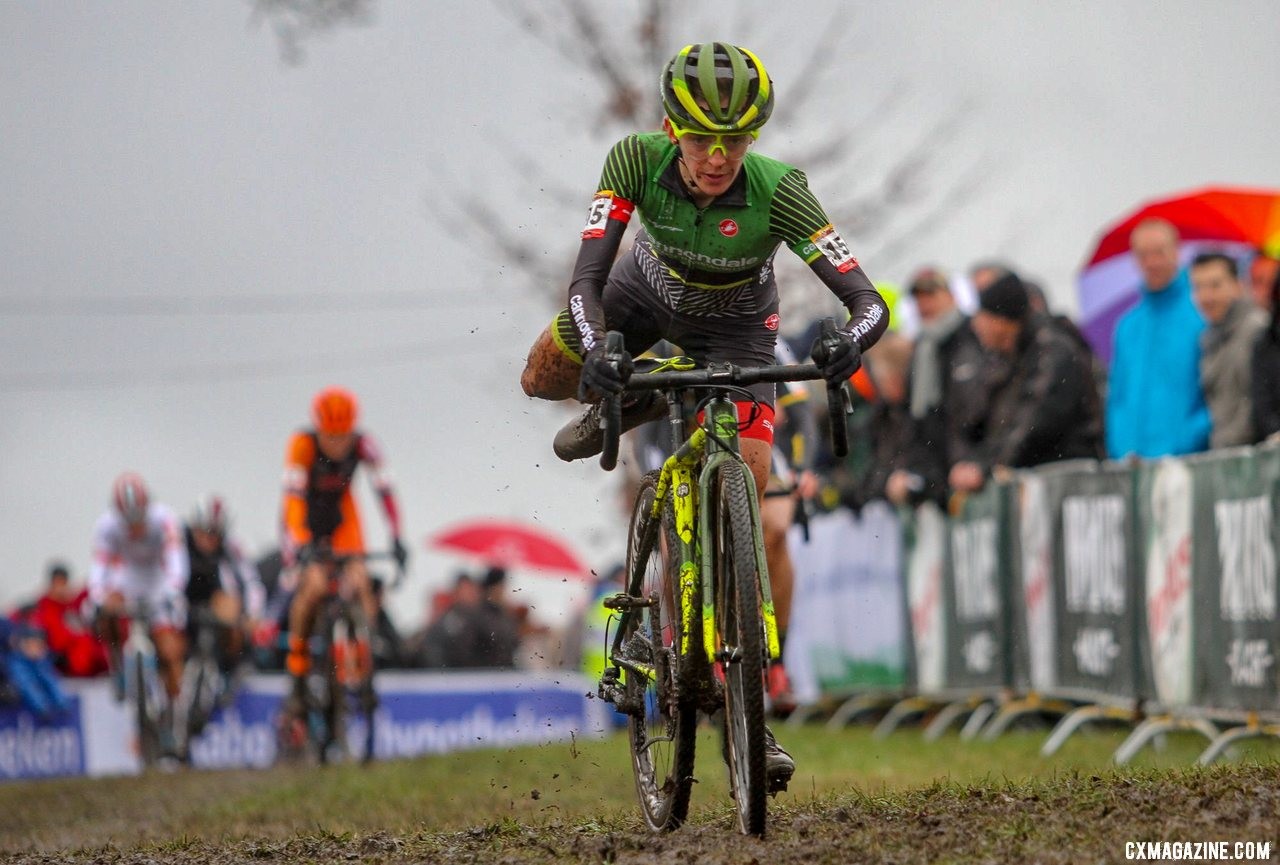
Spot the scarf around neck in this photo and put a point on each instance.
(926, 377)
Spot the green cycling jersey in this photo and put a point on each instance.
(699, 252)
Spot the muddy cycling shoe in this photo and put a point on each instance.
(778, 764)
(583, 437)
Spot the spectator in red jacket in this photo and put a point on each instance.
(75, 648)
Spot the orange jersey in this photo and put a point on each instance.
(318, 503)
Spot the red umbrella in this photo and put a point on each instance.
(1242, 222)
(509, 544)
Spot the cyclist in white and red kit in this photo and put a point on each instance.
(139, 556)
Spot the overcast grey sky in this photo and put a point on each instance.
(164, 150)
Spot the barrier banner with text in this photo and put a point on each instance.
(1233, 558)
(1036, 515)
(1096, 600)
(976, 592)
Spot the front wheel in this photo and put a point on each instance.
(740, 646)
(146, 702)
(662, 728)
(200, 689)
(353, 661)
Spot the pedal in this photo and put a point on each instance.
(623, 601)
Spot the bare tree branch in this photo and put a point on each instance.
(296, 21)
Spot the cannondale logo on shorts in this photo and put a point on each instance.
(728, 227)
(772, 322)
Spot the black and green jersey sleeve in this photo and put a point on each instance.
(797, 218)
(624, 171)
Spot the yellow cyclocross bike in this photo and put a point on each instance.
(696, 628)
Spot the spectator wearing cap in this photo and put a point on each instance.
(1047, 408)
(1226, 347)
(946, 393)
(1155, 404)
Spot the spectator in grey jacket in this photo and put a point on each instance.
(1046, 408)
(946, 394)
(1226, 347)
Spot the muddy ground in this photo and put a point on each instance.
(1069, 819)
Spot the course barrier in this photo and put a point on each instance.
(1136, 592)
(419, 713)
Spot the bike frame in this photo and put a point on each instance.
(339, 607)
(705, 529)
(719, 429)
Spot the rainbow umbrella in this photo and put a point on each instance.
(1241, 222)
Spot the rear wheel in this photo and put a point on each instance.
(740, 646)
(662, 726)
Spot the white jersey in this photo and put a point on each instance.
(150, 564)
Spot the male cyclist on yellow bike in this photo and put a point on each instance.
(700, 272)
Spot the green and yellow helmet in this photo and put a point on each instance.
(717, 87)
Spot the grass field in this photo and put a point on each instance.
(898, 800)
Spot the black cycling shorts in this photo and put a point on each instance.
(636, 310)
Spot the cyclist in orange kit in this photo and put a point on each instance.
(321, 523)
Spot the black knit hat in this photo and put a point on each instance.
(1006, 297)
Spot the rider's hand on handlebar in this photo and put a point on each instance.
(838, 356)
(399, 553)
(806, 485)
(603, 375)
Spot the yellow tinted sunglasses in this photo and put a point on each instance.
(732, 144)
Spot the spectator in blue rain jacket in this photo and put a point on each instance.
(1155, 405)
(24, 662)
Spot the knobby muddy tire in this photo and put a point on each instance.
(740, 640)
(663, 740)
